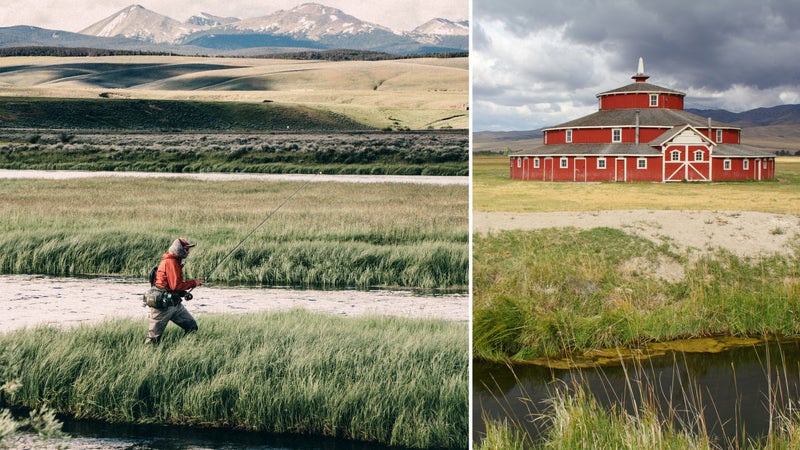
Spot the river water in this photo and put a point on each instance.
(32, 300)
(734, 389)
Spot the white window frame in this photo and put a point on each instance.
(746, 164)
(535, 162)
(563, 163)
(675, 155)
(726, 164)
(653, 100)
(568, 136)
(601, 162)
(519, 162)
(545, 137)
(698, 155)
(719, 136)
(616, 135)
(641, 163)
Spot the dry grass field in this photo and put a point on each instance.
(413, 94)
(494, 191)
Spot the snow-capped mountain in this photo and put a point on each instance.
(442, 33)
(310, 25)
(137, 22)
(311, 21)
(443, 27)
(208, 20)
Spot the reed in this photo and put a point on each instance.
(330, 235)
(555, 292)
(387, 380)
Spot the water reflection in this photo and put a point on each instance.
(734, 389)
(91, 434)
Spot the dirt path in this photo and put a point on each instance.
(72, 174)
(744, 233)
(27, 300)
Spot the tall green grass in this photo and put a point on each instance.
(387, 380)
(557, 291)
(329, 235)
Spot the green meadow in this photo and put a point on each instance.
(329, 235)
(366, 379)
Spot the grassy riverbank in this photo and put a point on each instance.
(557, 292)
(387, 380)
(329, 235)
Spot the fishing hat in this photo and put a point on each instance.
(185, 243)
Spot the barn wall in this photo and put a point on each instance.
(621, 101)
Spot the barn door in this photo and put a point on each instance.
(548, 169)
(619, 168)
(580, 169)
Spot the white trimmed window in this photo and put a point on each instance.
(569, 136)
(675, 155)
(719, 136)
(536, 162)
(601, 163)
(519, 162)
(616, 135)
(641, 163)
(698, 155)
(564, 163)
(653, 100)
(726, 165)
(746, 164)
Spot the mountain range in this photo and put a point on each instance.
(308, 26)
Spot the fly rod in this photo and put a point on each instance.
(256, 228)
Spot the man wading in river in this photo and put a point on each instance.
(166, 295)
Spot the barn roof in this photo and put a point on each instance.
(740, 151)
(649, 117)
(641, 87)
(618, 149)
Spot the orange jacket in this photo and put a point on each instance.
(170, 274)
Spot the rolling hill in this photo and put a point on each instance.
(398, 94)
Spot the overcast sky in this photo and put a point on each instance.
(537, 63)
(75, 15)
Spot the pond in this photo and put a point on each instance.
(735, 386)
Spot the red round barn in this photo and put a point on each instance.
(641, 133)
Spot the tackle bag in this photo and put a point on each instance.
(157, 298)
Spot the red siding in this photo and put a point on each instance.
(622, 101)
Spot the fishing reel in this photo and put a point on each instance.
(188, 296)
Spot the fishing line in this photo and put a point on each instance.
(256, 228)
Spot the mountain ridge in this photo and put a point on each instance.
(307, 26)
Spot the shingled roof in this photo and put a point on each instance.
(624, 149)
(650, 117)
(641, 87)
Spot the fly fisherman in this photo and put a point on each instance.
(169, 283)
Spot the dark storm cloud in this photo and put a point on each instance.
(701, 44)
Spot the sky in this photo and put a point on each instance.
(538, 63)
(75, 15)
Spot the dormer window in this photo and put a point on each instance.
(653, 100)
(569, 136)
